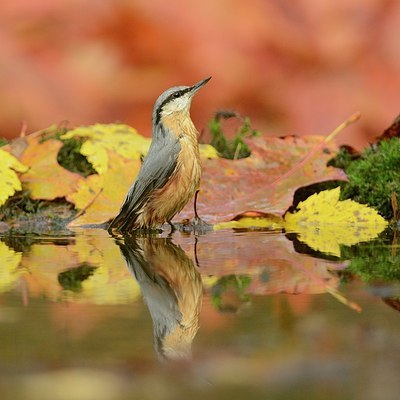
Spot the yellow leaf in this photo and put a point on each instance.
(9, 272)
(104, 138)
(268, 222)
(9, 181)
(208, 151)
(101, 195)
(96, 155)
(324, 222)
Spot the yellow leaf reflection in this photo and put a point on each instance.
(9, 272)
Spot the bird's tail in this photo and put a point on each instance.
(103, 225)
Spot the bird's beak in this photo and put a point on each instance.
(199, 85)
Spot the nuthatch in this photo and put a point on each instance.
(171, 171)
(172, 288)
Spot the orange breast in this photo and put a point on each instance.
(166, 202)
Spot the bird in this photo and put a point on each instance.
(171, 171)
(172, 289)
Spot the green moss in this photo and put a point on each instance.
(231, 148)
(375, 176)
(3, 142)
(25, 215)
(342, 160)
(70, 158)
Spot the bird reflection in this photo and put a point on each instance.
(172, 289)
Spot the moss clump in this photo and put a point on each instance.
(343, 158)
(227, 148)
(36, 216)
(3, 142)
(70, 158)
(375, 176)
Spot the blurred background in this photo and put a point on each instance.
(293, 67)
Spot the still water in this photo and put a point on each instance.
(227, 315)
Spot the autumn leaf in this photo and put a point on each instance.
(101, 196)
(9, 181)
(251, 220)
(228, 187)
(46, 179)
(324, 222)
(208, 152)
(101, 139)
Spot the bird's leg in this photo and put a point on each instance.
(195, 204)
(199, 225)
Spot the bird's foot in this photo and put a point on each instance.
(201, 227)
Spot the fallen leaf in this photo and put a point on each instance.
(102, 139)
(324, 222)
(253, 221)
(9, 181)
(101, 196)
(230, 186)
(46, 179)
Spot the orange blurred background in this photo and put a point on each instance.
(293, 67)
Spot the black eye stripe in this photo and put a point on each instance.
(171, 97)
(177, 94)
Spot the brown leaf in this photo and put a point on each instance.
(392, 131)
(254, 183)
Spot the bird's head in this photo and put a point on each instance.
(175, 99)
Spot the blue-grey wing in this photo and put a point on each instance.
(157, 292)
(157, 167)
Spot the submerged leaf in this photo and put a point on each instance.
(324, 223)
(9, 181)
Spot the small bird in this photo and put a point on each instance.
(171, 171)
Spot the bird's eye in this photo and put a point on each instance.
(176, 95)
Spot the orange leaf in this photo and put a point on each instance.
(230, 186)
(46, 179)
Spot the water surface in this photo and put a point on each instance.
(225, 315)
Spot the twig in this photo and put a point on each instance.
(353, 118)
(81, 212)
